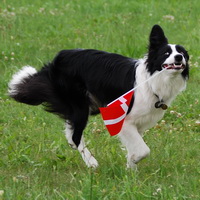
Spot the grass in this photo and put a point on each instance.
(35, 160)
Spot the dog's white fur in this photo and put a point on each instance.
(143, 115)
(17, 78)
(88, 158)
(166, 85)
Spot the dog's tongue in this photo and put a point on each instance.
(173, 66)
(168, 66)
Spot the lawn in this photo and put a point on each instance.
(35, 159)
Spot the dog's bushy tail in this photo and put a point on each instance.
(30, 87)
(34, 87)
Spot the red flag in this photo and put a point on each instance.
(115, 113)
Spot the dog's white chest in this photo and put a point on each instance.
(144, 115)
(164, 87)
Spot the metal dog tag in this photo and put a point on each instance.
(160, 104)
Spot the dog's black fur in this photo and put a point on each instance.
(78, 81)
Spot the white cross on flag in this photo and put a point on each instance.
(115, 113)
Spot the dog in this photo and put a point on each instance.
(77, 82)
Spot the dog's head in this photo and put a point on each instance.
(163, 55)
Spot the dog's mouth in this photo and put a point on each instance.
(175, 66)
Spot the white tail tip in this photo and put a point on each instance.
(17, 78)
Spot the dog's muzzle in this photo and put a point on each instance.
(175, 66)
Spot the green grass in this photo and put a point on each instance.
(35, 160)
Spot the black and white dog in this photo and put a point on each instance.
(77, 82)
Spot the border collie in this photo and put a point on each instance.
(79, 81)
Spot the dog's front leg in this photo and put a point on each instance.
(134, 143)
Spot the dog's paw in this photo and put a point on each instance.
(88, 158)
(70, 141)
(131, 162)
(72, 145)
(92, 162)
(131, 165)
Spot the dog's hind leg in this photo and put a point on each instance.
(74, 135)
(134, 143)
(68, 134)
(88, 158)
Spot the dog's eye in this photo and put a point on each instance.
(166, 53)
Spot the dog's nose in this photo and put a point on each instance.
(178, 58)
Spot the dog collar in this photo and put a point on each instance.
(160, 103)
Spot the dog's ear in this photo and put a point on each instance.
(157, 38)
